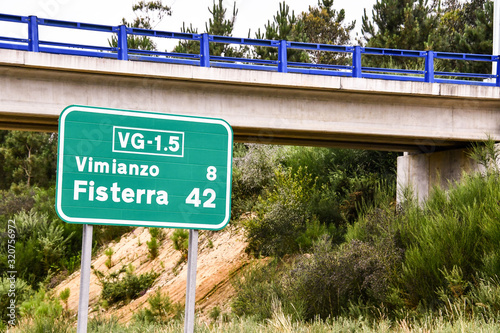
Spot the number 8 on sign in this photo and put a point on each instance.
(211, 173)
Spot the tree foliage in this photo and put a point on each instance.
(148, 15)
(465, 27)
(448, 26)
(124, 285)
(27, 157)
(284, 215)
(399, 24)
(219, 24)
(323, 24)
(402, 24)
(283, 27)
(41, 246)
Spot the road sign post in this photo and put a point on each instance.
(83, 300)
(191, 281)
(119, 167)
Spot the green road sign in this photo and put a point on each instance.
(119, 167)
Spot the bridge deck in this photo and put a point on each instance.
(264, 107)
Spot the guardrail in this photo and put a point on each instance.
(122, 52)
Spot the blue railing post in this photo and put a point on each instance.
(497, 77)
(356, 62)
(429, 67)
(282, 57)
(33, 40)
(205, 50)
(122, 43)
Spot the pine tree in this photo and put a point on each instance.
(285, 26)
(217, 25)
(321, 24)
(465, 28)
(325, 25)
(28, 157)
(399, 24)
(148, 15)
(448, 26)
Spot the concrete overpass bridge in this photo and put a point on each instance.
(432, 121)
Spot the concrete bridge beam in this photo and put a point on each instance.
(262, 107)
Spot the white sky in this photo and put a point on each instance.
(253, 14)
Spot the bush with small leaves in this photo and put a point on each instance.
(124, 285)
(22, 292)
(157, 233)
(108, 252)
(64, 296)
(41, 246)
(331, 278)
(283, 216)
(259, 286)
(180, 238)
(215, 313)
(160, 310)
(153, 247)
(41, 305)
(253, 171)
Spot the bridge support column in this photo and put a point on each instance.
(420, 172)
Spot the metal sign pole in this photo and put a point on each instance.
(496, 33)
(83, 301)
(191, 281)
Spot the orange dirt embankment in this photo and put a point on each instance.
(220, 255)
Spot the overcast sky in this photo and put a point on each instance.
(253, 14)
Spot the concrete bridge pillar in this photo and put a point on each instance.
(420, 172)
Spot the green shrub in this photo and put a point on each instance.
(18, 198)
(283, 215)
(41, 246)
(215, 313)
(72, 263)
(259, 286)
(331, 278)
(487, 154)
(253, 170)
(454, 228)
(453, 231)
(20, 289)
(313, 231)
(462, 299)
(40, 304)
(64, 296)
(123, 285)
(108, 252)
(319, 191)
(322, 162)
(180, 238)
(43, 324)
(103, 324)
(485, 295)
(157, 233)
(256, 168)
(153, 247)
(160, 310)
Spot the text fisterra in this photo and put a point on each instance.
(89, 190)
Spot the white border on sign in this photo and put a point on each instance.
(143, 153)
(139, 223)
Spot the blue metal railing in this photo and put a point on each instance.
(122, 52)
